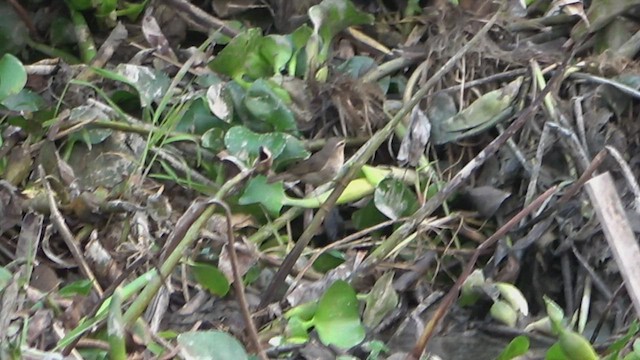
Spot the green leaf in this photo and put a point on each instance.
(576, 346)
(367, 216)
(213, 139)
(241, 57)
(299, 38)
(5, 278)
(394, 199)
(210, 345)
(25, 100)
(337, 320)
(329, 260)
(503, 312)
(621, 343)
(276, 49)
(198, 119)
(304, 312)
(245, 144)
(151, 84)
(259, 192)
(13, 76)
(332, 16)
(471, 288)
(555, 313)
(517, 347)
(555, 353)
(211, 278)
(357, 66)
(296, 331)
(80, 287)
(264, 104)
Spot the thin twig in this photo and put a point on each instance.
(66, 234)
(237, 282)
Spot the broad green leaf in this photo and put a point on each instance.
(299, 38)
(332, 16)
(13, 76)
(394, 199)
(266, 105)
(151, 84)
(328, 261)
(213, 139)
(304, 311)
(337, 319)
(276, 49)
(367, 216)
(241, 57)
(211, 278)
(296, 331)
(357, 66)
(25, 100)
(555, 353)
(517, 347)
(198, 119)
(268, 195)
(210, 345)
(245, 144)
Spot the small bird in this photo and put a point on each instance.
(318, 169)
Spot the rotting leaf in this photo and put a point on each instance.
(381, 301)
(218, 102)
(487, 199)
(482, 114)
(415, 139)
(247, 257)
(155, 37)
(10, 206)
